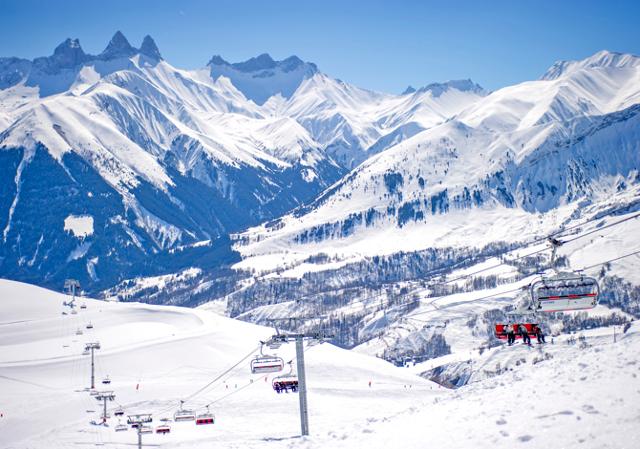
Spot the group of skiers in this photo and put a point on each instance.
(512, 329)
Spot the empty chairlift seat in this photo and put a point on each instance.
(184, 415)
(121, 428)
(563, 292)
(266, 364)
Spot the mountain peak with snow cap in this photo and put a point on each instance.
(261, 77)
(149, 48)
(118, 47)
(260, 62)
(602, 59)
(438, 89)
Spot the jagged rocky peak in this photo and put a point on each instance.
(467, 85)
(217, 60)
(263, 62)
(118, 47)
(602, 59)
(408, 90)
(149, 48)
(69, 54)
(261, 77)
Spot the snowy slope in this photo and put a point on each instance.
(157, 355)
(169, 353)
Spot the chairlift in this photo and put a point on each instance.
(118, 412)
(564, 292)
(265, 363)
(163, 429)
(146, 429)
(121, 428)
(83, 306)
(106, 380)
(79, 331)
(286, 382)
(134, 420)
(93, 393)
(89, 325)
(205, 418)
(74, 312)
(501, 333)
(183, 414)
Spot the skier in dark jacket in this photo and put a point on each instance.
(525, 335)
(539, 334)
(511, 334)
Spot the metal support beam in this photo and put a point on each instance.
(139, 420)
(302, 378)
(105, 396)
(302, 387)
(91, 347)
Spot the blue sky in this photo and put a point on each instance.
(381, 45)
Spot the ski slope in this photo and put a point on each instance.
(559, 395)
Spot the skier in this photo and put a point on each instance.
(539, 334)
(511, 336)
(525, 335)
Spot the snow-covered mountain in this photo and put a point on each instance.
(155, 159)
(521, 153)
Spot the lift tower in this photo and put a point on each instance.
(91, 347)
(302, 378)
(105, 396)
(72, 286)
(139, 420)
